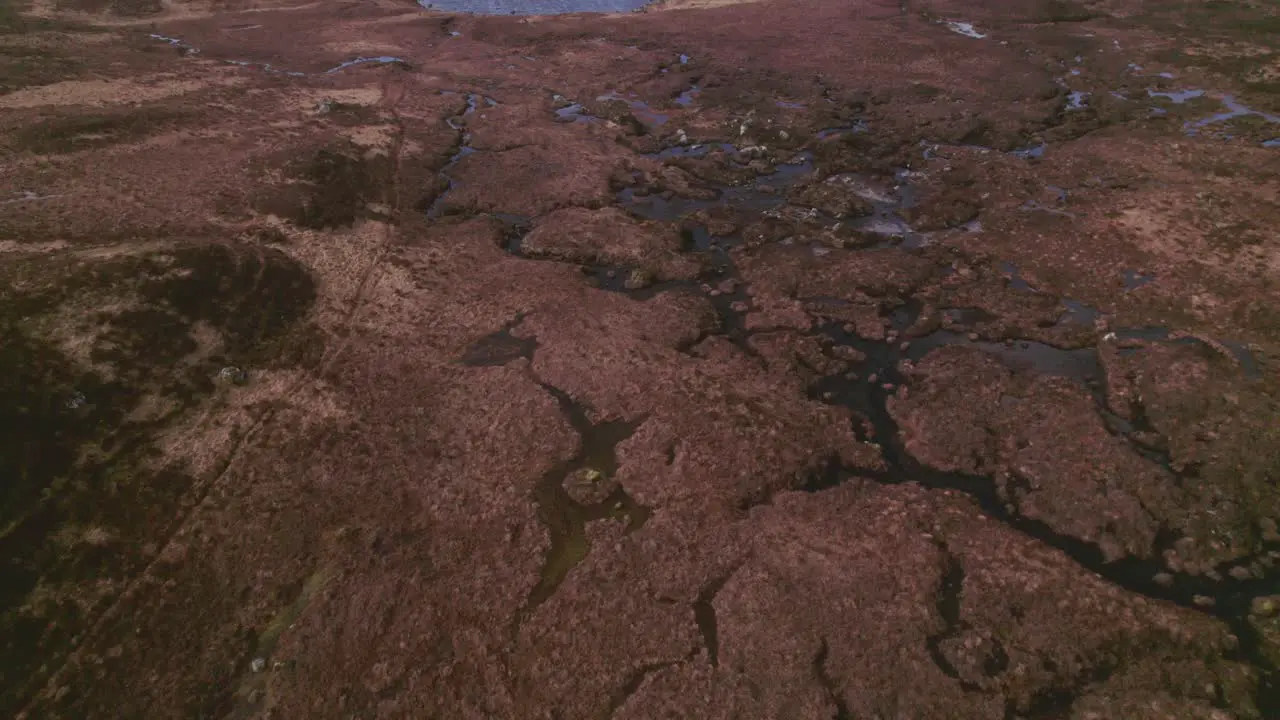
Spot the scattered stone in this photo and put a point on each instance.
(1163, 579)
(589, 486)
(1240, 572)
(1268, 528)
(1265, 606)
(973, 337)
(1203, 601)
(258, 665)
(739, 306)
(638, 278)
(233, 375)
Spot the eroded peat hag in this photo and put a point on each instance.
(425, 361)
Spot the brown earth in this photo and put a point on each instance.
(786, 359)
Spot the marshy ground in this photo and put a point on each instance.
(788, 359)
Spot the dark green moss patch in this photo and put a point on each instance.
(41, 404)
(136, 8)
(82, 493)
(82, 132)
(122, 8)
(26, 67)
(1215, 20)
(348, 114)
(1262, 90)
(333, 188)
(1254, 128)
(1233, 18)
(1051, 11)
(252, 299)
(340, 186)
(13, 22)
